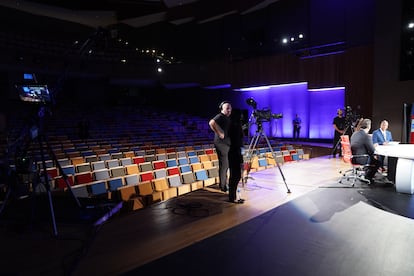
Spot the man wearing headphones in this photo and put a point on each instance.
(220, 125)
(339, 126)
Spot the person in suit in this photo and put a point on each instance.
(235, 154)
(361, 143)
(382, 136)
(220, 125)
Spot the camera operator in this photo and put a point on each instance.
(220, 125)
(339, 125)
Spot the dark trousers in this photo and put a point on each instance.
(373, 167)
(336, 148)
(235, 167)
(223, 158)
(296, 133)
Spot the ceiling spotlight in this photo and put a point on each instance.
(411, 25)
(284, 40)
(292, 39)
(300, 36)
(159, 70)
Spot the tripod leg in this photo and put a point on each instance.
(273, 155)
(64, 175)
(46, 180)
(249, 157)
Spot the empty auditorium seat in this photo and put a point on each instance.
(171, 162)
(173, 171)
(146, 190)
(174, 180)
(80, 191)
(161, 185)
(91, 158)
(117, 171)
(60, 182)
(68, 169)
(101, 174)
(132, 201)
(132, 179)
(160, 173)
(83, 167)
(111, 163)
(138, 159)
(98, 189)
(159, 164)
(204, 157)
(185, 168)
(182, 161)
(132, 169)
(77, 160)
(104, 157)
(98, 165)
(201, 175)
(145, 167)
(115, 183)
(193, 159)
(82, 178)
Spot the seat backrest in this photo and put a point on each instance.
(201, 174)
(117, 171)
(173, 171)
(98, 165)
(346, 151)
(345, 138)
(174, 180)
(115, 183)
(171, 162)
(132, 169)
(101, 174)
(188, 177)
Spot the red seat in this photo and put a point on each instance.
(173, 171)
(138, 159)
(60, 182)
(82, 178)
(146, 176)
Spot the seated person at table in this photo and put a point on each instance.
(361, 143)
(382, 136)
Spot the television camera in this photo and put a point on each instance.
(263, 115)
(351, 118)
(260, 116)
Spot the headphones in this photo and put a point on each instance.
(222, 103)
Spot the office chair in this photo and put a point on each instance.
(357, 171)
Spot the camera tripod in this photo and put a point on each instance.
(349, 126)
(36, 134)
(252, 146)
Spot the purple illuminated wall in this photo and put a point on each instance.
(316, 107)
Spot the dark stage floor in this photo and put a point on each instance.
(320, 228)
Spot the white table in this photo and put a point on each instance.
(404, 174)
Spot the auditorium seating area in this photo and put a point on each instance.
(139, 157)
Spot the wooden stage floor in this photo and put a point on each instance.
(127, 242)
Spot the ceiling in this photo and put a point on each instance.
(136, 13)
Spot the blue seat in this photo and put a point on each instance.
(201, 174)
(115, 183)
(185, 168)
(171, 162)
(97, 188)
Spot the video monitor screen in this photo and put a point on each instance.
(34, 93)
